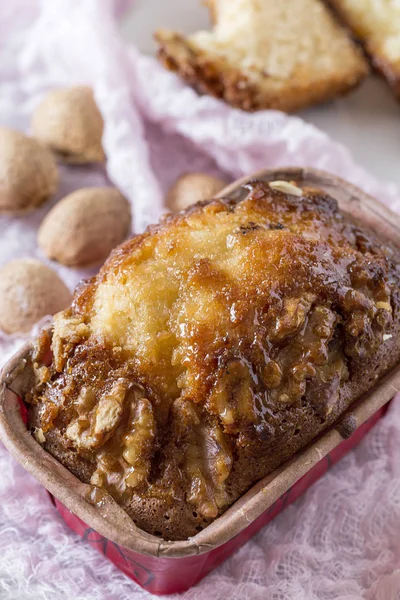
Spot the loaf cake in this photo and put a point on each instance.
(267, 54)
(210, 349)
(376, 23)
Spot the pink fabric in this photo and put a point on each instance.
(341, 541)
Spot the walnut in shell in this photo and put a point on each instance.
(192, 187)
(69, 122)
(29, 290)
(85, 226)
(28, 173)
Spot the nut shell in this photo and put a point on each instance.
(29, 290)
(85, 226)
(69, 122)
(192, 187)
(28, 173)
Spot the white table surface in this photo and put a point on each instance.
(367, 121)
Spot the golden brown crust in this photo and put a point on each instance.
(250, 328)
(215, 75)
(389, 72)
(386, 67)
(210, 4)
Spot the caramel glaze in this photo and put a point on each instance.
(211, 348)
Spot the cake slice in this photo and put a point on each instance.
(259, 55)
(376, 23)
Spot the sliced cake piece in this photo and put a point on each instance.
(267, 54)
(376, 23)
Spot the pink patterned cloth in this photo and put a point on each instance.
(341, 540)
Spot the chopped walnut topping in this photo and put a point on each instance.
(292, 317)
(384, 306)
(286, 188)
(232, 398)
(42, 374)
(355, 300)
(107, 413)
(305, 355)
(208, 460)
(272, 375)
(68, 331)
(48, 413)
(138, 442)
(92, 430)
(324, 388)
(86, 400)
(39, 435)
(42, 348)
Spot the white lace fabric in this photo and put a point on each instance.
(341, 540)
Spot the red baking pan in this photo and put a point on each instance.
(164, 567)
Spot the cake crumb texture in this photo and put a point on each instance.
(376, 23)
(265, 54)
